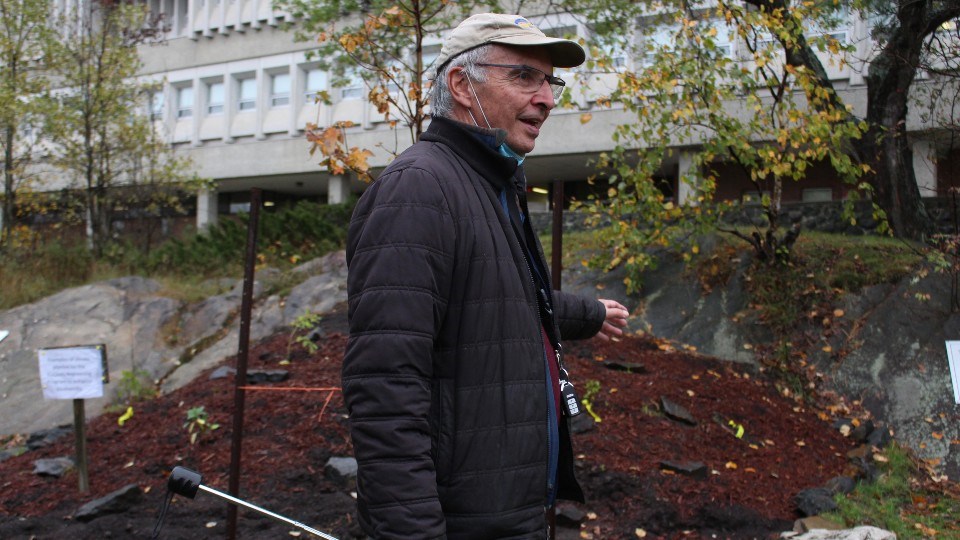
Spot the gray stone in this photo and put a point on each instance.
(841, 484)
(860, 432)
(570, 516)
(694, 469)
(259, 376)
(814, 501)
(8, 453)
(222, 372)
(55, 467)
(858, 533)
(808, 524)
(676, 412)
(114, 503)
(582, 423)
(879, 438)
(46, 437)
(342, 471)
(124, 314)
(134, 322)
(629, 367)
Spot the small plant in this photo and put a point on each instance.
(198, 424)
(133, 386)
(590, 391)
(302, 325)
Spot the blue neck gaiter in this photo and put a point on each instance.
(508, 152)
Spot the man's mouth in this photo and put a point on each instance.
(535, 122)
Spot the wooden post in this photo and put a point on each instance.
(80, 433)
(240, 379)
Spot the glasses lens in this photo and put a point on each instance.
(557, 90)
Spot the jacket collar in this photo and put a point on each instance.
(477, 146)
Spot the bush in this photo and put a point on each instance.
(301, 232)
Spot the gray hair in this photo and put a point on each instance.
(441, 100)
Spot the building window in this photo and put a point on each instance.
(215, 98)
(316, 82)
(817, 195)
(184, 102)
(248, 94)
(156, 105)
(353, 88)
(280, 90)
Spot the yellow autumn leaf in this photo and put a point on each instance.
(731, 465)
(585, 117)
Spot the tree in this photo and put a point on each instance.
(904, 31)
(751, 109)
(383, 42)
(796, 117)
(103, 137)
(26, 39)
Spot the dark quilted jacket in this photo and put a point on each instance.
(444, 373)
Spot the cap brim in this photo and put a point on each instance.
(563, 52)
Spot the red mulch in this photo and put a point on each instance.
(289, 435)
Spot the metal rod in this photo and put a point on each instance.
(243, 351)
(557, 236)
(264, 511)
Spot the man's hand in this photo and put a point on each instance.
(615, 320)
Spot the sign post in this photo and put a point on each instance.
(75, 373)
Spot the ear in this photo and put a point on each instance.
(460, 88)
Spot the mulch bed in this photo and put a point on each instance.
(746, 490)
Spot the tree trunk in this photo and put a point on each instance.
(8, 218)
(885, 146)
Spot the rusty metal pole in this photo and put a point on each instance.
(246, 307)
(557, 234)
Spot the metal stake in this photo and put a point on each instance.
(186, 482)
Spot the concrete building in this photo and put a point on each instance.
(237, 92)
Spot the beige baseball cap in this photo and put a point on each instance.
(486, 28)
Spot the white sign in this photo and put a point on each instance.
(953, 358)
(72, 372)
(4, 334)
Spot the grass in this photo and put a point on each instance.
(899, 502)
(822, 268)
(186, 267)
(576, 246)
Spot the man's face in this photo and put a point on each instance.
(506, 105)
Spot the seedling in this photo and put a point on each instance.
(198, 424)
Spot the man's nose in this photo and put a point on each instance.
(544, 97)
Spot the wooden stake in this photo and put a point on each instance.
(80, 433)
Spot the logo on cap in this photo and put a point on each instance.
(523, 23)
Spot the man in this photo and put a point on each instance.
(453, 374)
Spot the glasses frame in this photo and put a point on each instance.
(556, 83)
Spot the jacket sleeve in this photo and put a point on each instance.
(579, 317)
(399, 254)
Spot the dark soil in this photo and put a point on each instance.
(289, 435)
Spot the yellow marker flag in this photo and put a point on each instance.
(125, 416)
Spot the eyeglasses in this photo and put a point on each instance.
(530, 79)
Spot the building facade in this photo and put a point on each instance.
(235, 91)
